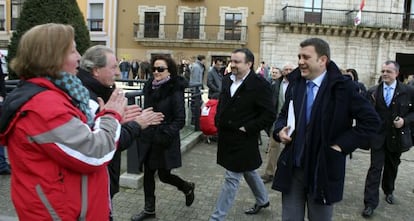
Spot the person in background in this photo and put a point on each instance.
(214, 79)
(196, 77)
(361, 87)
(197, 70)
(239, 122)
(279, 86)
(160, 144)
(98, 70)
(58, 155)
(311, 168)
(4, 166)
(134, 69)
(393, 102)
(263, 70)
(124, 66)
(145, 70)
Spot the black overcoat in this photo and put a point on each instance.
(251, 107)
(402, 105)
(159, 146)
(335, 107)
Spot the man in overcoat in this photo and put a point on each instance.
(311, 168)
(245, 108)
(394, 103)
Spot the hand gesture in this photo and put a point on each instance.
(131, 112)
(149, 117)
(283, 135)
(117, 102)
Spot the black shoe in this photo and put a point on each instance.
(143, 215)
(389, 198)
(189, 196)
(367, 212)
(256, 208)
(267, 178)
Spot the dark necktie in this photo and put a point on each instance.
(309, 100)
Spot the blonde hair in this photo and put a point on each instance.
(42, 50)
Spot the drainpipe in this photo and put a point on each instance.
(115, 28)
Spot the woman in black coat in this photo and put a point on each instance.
(159, 146)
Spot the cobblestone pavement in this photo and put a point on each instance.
(199, 166)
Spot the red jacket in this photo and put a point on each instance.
(59, 163)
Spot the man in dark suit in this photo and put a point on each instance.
(245, 108)
(394, 102)
(311, 168)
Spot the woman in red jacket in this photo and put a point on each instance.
(59, 162)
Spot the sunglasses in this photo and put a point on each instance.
(159, 69)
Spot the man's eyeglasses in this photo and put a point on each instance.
(159, 69)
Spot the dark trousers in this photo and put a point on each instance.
(165, 177)
(295, 201)
(381, 158)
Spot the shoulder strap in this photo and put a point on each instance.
(16, 99)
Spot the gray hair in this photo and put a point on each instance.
(95, 57)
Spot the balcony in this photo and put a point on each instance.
(341, 22)
(202, 36)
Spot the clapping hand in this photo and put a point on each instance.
(117, 102)
(149, 117)
(131, 112)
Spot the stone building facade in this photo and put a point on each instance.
(385, 32)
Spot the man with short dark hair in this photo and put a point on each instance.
(214, 79)
(320, 105)
(244, 109)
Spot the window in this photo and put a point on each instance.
(151, 24)
(2, 18)
(233, 24)
(191, 25)
(16, 8)
(95, 21)
(313, 11)
(232, 29)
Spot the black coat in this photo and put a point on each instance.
(335, 107)
(129, 131)
(402, 105)
(160, 144)
(250, 107)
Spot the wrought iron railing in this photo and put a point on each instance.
(144, 31)
(326, 16)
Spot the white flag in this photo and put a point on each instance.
(357, 19)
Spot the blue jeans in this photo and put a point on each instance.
(230, 187)
(125, 75)
(3, 164)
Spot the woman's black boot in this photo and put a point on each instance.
(189, 193)
(148, 212)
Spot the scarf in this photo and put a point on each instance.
(156, 84)
(72, 86)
